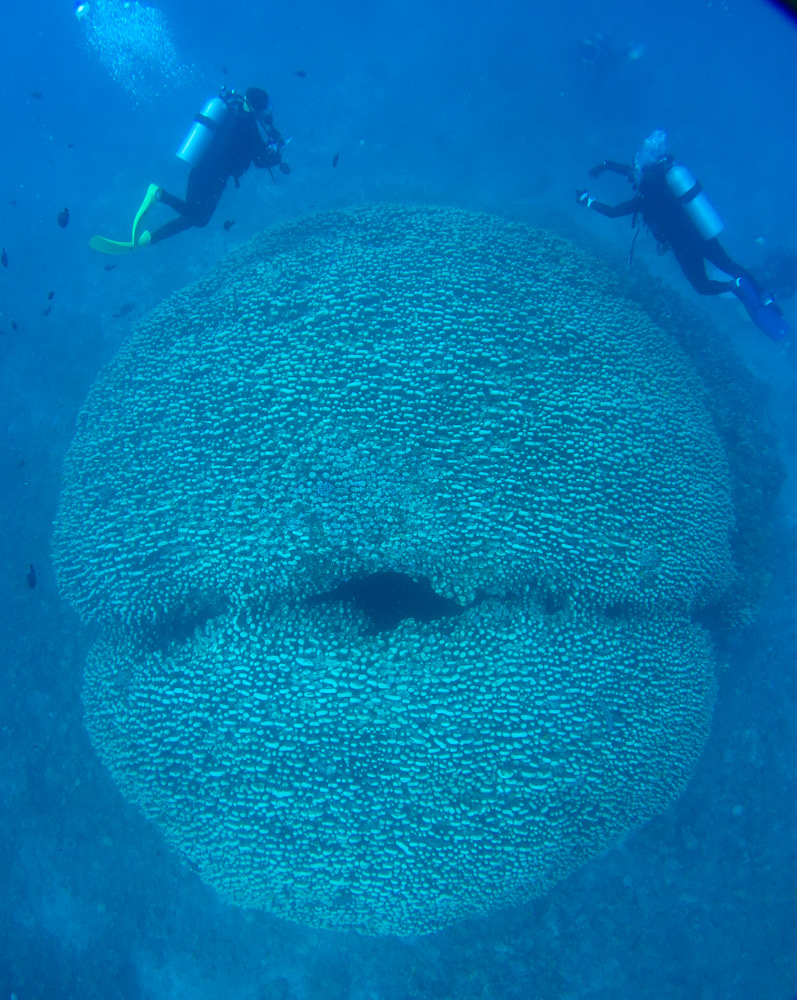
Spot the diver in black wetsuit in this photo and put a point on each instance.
(236, 143)
(675, 209)
(601, 58)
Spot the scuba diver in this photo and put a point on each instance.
(224, 140)
(600, 57)
(672, 204)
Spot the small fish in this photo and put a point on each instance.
(70, 145)
(13, 202)
(30, 576)
(51, 296)
(47, 310)
(37, 95)
(228, 224)
(14, 325)
(63, 218)
(110, 267)
(335, 159)
(300, 72)
(127, 308)
(224, 70)
(4, 258)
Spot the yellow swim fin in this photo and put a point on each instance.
(123, 246)
(110, 246)
(149, 200)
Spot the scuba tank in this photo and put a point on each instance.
(691, 196)
(205, 126)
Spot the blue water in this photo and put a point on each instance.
(484, 106)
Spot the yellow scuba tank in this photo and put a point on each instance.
(690, 194)
(204, 127)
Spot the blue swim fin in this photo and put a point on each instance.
(766, 315)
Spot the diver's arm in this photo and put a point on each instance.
(611, 211)
(272, 131)
(267, 154)
(616, 211)
(613, 166)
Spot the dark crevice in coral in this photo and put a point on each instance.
(387, 598)
(554, 603)
(182, 622)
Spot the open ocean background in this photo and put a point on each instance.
(480, 105)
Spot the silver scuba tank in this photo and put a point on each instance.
(203, 129)
(690, 194)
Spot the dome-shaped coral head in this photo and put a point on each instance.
(652, 150)
(427, 392)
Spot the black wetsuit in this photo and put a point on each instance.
(237, 145)
(672, 228)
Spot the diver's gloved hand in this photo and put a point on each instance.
(597, 170)
(277, 145)
(584, 198)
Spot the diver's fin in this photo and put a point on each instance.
(123, 246)
(149, 200)
(765, 314)
(110, 246)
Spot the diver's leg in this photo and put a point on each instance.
(175, 203)
(200, 187)
(716, 253)
(201, 198)
(205, 210)
(196, 187)
(203, 195)
(178, 225)
(693, 264)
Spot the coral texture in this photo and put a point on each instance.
(441, 394)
